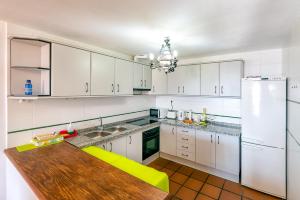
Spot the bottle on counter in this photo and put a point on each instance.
(28, 87)
(204, 116)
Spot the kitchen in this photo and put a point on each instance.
(220, 124)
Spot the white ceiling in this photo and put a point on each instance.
(196, 27)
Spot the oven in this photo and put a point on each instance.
(150, 142)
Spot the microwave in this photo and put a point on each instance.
(158, 113)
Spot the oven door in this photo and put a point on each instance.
(150, 142)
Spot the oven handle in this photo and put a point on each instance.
(151, 136)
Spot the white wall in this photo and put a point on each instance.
(3, 105)
(257, 63)
(292, 70)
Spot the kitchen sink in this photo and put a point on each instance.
(97, 134)
(115, 129)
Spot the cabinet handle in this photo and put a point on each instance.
(218, 139)
(145, 83)
(173, 130)
(215, 89)
(153, 88)
(103, 146)
(112, 88)
(86, 87)
(130, 140)
(118, 87)
(182, 89)
(222, 89)
(178, 89)
(185, 139)
(211, 141)
(184, 155)
(110, 147)
(141, 83)
(185, 131)
(184, 147)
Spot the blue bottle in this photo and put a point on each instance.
(28, 87)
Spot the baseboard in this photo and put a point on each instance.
(151, 158)
(213, 171)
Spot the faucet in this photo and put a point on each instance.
(101, 124)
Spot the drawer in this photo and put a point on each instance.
(186, 131)
(186, 155)
(186, 147)
(187, 139)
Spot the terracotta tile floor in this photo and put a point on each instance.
(188, 184)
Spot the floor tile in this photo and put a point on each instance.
(233, 187)
(155, 166)
(193, 184)
(173, 166)
(186, 194)
(211, 191)
(253, 194)
(186, 170)
(179, 178)
(168, 171)
(216, 181)
(225, 195)
(161, 161)
(199, 175)
(174, 187)
(203, 197)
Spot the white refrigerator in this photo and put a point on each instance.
(263, 112)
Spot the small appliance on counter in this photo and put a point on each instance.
(171, 114)
(159, 113)
(180, 115)
(188, 115)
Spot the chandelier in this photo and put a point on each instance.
(167, 60)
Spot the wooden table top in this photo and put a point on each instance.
(63, 171)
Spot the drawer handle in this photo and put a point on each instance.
(185, 155)
(184, 147)
(185, 139)
(185, 131)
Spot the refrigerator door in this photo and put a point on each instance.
(263, 111)
(263, 168)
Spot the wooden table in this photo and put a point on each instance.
(63, 171)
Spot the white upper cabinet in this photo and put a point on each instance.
(230, 78)
(159, 82)
(228, 153)
(70, 74)
(102, 75)
(147, 75)
(210, 79)
(123, 77)
(184, 80)
(138, 80)
(190, 81)
(168, 139)
(142, 77)
(205, 148)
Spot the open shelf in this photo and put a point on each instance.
(30, 59)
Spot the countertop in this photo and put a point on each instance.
(62, 171)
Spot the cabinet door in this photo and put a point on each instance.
(174, 81)
(135, 146)
(138, 81)
(230, 78)
(190, 80)
(205, 148)
(70, 71)
(117, 146)
(159, 82)
(168, 139)
(147, 75)
(123, 77)
(102, 75)
(210, 79)
(102, 145)
(228, 153)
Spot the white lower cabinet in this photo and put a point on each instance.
(117, 146)
(135, 146)
(186, 143)
(206, 148)
(228, 153)
(168, 139)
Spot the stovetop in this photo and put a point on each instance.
(142, 122)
